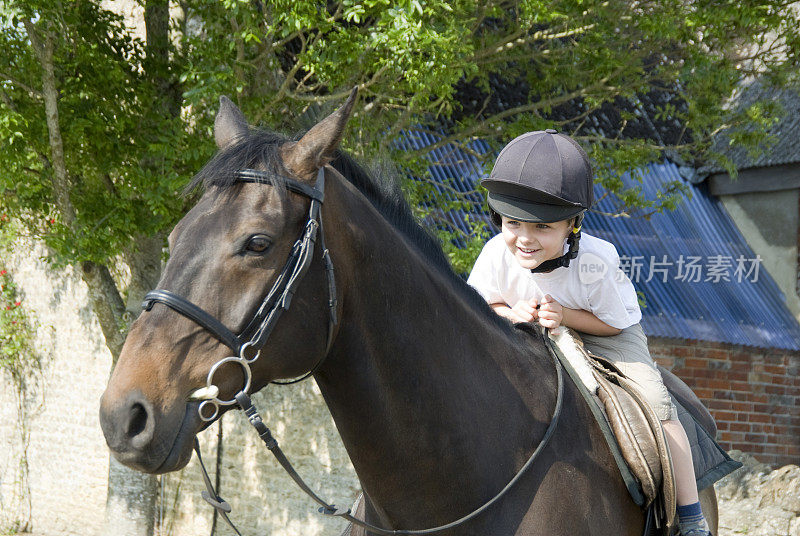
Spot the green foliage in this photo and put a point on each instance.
(440, 65)
(18, 358)
(125, 163)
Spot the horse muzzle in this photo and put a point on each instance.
(146, 439)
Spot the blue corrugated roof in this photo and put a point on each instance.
(724, 305)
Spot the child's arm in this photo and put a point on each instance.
(523, 311)
(552, 314)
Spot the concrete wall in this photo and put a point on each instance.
(69, 461)
(769, 223)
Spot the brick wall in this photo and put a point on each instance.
(753, 393)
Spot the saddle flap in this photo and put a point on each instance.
(633, 433)
(637, 430)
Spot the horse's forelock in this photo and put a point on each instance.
(259, 149)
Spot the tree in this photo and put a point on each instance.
(101, 129)
(493, 70)
(93, 158)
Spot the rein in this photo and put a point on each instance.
(247, 345)
(332, 510)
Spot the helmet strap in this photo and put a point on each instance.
(563, 261)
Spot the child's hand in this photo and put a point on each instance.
(525, 310)
(550, 312)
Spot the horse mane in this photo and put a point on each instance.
(381, 187)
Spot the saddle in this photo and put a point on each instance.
(636, 428)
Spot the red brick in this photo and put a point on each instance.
(719, 384)
(666, 362)
(778, 439)
(693, 362)
(747, 447)
(773, 359)
(780, 429)
(739, 427)
(775, 389)
(741, 356)
(775, 369)
(733, 375)
(681, 351)
(741, 396)
(730, 436)
(703, 393)
(755, 438)
(740, 386)
(724, 415)
(779, 418)
(742, 406)
(758, 377)
(719, 404)
(740, 367)
(775, 449)
(759, 417)
(718, 354)
(780, 380)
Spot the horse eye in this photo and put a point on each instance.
(257, 244)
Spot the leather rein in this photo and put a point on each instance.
(248, 343)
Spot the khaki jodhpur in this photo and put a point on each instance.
(628, 351)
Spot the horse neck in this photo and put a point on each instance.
(420, 381)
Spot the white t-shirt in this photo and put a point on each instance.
(593, 281)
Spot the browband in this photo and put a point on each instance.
(262, 177)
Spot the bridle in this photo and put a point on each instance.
(247, 344)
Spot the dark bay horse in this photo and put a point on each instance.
(439, 401)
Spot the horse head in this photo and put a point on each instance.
(235, 260)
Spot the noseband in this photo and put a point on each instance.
(247, 344)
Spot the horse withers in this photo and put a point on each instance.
(439, 401)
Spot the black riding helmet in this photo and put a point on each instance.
(542, 177)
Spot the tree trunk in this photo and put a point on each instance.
(130, 503)
(131, 495)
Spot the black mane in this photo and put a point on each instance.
(381, 187)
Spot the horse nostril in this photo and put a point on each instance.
(137, 421)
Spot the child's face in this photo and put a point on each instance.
(533, 243)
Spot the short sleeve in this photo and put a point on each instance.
(612, 296)
(484, 274)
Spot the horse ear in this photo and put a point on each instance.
(230, 124)
(318, 146)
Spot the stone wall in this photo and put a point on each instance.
(753, 393)
(759, 501)
(69, 462)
